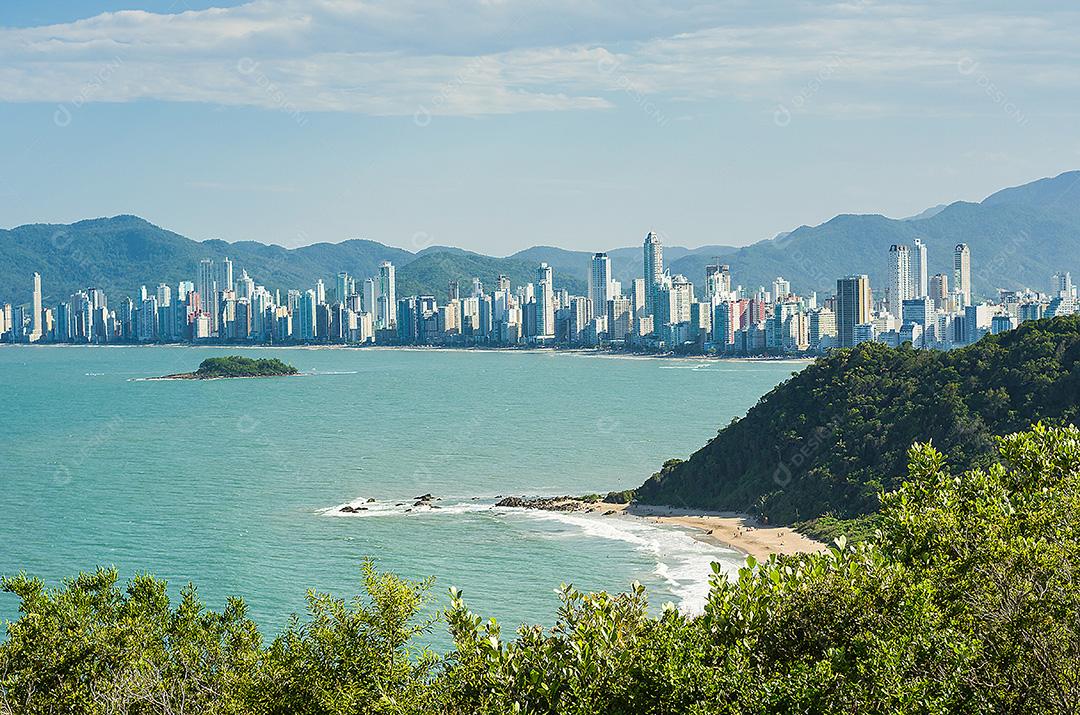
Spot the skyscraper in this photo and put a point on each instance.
(900, 283)
(225, 277)
(654, 270)
(920, 278)
(545, 302)
(342, 287)
(853, 306)
(208, 291)
(35, 319)
(717, 282)
(637, 297)
(600, 283)
(962, 272)
(387, 296)
(939, 291)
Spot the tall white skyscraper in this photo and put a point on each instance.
(225, 277)
(899, 287)
(600, 287)
(781, 288)
(387, 296)
(654, 270)
(920, 276)
(1061, 285)
(545, 302)
(962, 272)
(35, 319)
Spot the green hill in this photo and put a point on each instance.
(828, 440)
(1019, 237)
(121, 253)
(431, 273)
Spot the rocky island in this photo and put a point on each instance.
(235, 366)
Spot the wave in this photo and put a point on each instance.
(682, 561)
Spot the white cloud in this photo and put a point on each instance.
(398, 57)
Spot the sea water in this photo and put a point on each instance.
(237, 485)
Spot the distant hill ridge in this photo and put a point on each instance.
(1019, 237)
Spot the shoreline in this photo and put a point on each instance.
(734, 530)
(588, 352)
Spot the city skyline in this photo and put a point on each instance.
(661, 313)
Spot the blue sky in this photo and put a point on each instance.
(499, 124)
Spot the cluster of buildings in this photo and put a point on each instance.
(656, 312)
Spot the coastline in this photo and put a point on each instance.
(734, 530)
(587, 352)
(741, 532)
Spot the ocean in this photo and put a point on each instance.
(236, 485)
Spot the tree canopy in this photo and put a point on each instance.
(827, 441)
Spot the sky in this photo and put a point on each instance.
(494, 125)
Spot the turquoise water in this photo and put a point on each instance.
(234, 484)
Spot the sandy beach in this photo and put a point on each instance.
(738, 531)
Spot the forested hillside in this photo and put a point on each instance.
(828, 440)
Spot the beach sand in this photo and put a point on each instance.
(738, 531)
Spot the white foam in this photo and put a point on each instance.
(682, 561)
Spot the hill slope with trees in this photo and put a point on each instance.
(828, 440)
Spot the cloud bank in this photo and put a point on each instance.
(480, 57)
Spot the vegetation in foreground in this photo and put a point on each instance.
(829, 440)
(239, 366)
(967, 600)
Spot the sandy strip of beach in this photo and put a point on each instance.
(738, 531)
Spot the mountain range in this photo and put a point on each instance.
(1019, 237)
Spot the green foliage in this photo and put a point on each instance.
(966, 601)
(237, 366)
(833, 437)
(624, 497)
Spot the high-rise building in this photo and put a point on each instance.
(920, 278)
(225, 275)
(385, 317)
(304, 317)
(939, 291)
(600, 283)
(637, 297)
(853, 306)
(545, 302)
(208, 291)
(654, 270)
(1061, 285)
(725, 323)
(341, 287)
(717, 282)
(164, 295)
(620, 319)
(900, 286)
(36, 332)
(781, 289)
(962, 272)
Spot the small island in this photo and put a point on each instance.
(235, 366)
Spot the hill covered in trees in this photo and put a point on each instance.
(967, 602)
(830, 439)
